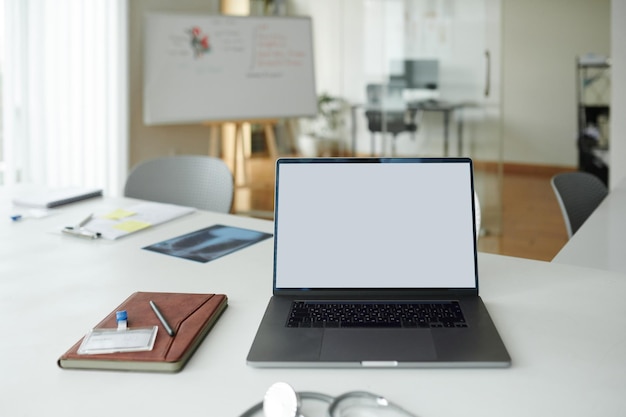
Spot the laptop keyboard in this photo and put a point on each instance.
(378, 314)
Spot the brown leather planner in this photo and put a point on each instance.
(190, 315)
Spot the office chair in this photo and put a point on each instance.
(202, 182)
(382, 120)
(579, 194)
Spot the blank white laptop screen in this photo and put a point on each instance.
(375, 225)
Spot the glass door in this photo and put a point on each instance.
(419, 78)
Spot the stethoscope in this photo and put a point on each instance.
(281, 400)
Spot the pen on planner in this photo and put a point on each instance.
(161, 318)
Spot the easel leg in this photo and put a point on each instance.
(270, 139)
(293, 135)
(213, 141)
(240, 171)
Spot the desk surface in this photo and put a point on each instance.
(566, 360)
(426, 105)
(601, 241)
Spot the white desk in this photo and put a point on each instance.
(601, 241)
(567, 360)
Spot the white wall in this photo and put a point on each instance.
(541, 39)
(617, 171)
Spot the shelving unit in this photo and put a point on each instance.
(593, 92)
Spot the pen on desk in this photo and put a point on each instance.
(161, 317)
(81, 233)
(30, 214)
(84, 222)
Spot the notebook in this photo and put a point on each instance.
(191, 316)
(395, 232)
(56, 197)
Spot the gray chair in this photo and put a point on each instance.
(578, 194)
(202, 182)
(386, 112)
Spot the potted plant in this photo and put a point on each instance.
(322, 134)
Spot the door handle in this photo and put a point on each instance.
(487, 73)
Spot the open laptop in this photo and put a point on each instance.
(395, 232)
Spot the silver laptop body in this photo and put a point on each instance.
(393, 231)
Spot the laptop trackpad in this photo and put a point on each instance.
(377, 345)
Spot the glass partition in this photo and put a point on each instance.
(409, 78)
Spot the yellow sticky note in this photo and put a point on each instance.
(131, 226)
(119, 214)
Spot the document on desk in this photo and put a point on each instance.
(207, 244)
(124, 221)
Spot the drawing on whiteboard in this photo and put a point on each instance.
(199, 42)
(272, 52)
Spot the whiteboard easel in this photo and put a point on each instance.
(200, 68)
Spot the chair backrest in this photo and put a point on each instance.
(392, 122)
(202, 182)
(379, 94)
(578, 194)
(395, 119)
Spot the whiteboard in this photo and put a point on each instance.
(200, 68)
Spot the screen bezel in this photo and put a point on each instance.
(369, 292)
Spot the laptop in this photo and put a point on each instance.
(375, 265)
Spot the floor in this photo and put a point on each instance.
(529, 225)
(532, 224)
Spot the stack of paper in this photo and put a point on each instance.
(57, 197)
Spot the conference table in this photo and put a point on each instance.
(601, 241)
(564, 327)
